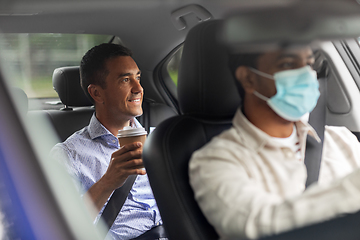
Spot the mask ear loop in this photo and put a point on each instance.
(262, 97)
(266, 75)
(256, 93)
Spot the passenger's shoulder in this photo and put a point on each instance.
(340, 136)
(76, 138)
(338, 133)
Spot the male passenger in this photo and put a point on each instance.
(249, 181)
(111, 79)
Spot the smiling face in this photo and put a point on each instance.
(122, 97)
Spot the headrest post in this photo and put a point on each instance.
(66, 108)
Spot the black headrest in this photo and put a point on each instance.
(66, 82)
(205, 86)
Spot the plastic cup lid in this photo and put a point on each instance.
(131, 132)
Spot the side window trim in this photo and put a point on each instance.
(166, 84)
(349, 50)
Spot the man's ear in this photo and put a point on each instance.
(246, 79)
(95, 93)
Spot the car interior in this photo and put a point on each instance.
(78, 109)
(201, 68)
(181, 115)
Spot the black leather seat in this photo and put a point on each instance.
(208, 99)
(78, 108)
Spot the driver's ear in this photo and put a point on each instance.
(244, 75)
(96, 92)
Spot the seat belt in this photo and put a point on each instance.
(317, 119)
(146, 115)
(312, 160)
(144, 119)
(119, 196)
(116, 201)
(154, 233)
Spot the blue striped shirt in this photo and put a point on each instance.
(87, 153)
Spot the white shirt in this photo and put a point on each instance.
(249, 186)
(291, 142)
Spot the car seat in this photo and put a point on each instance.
(78, 108)
(208, 99)
(21, 100)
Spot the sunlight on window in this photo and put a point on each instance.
(35, 56)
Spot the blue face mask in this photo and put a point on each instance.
(297, 92)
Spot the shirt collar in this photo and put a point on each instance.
(96, 129)
(304, 128)
(255, 138)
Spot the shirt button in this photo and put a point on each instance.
(288, 153)
(113, 141)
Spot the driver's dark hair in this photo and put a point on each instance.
(93, 65)
(242, 59)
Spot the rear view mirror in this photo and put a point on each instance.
(299, 23)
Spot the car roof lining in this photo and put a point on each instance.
(152, 19)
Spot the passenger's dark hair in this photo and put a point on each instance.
(242, 59)
(93, 64)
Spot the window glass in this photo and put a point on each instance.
(173, 65)
(33, 58)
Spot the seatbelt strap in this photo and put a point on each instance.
(154, 233)
(119, 196)
(144, 119)
(116, 201)
(313, 153)
(312, 160)
(147, 115)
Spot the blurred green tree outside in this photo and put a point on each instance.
(33, 57)
(173, 65)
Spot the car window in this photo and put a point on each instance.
(169, 74)
(33, 57)
(172, 65)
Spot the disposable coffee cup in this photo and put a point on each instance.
(130, 135)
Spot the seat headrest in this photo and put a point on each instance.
(21, 99)
(66, 82)
(205, 85)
